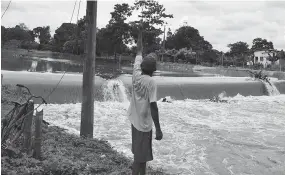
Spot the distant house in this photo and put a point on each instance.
(261, 56)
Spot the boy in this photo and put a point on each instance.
(143, 109)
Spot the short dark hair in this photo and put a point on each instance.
(148, 64)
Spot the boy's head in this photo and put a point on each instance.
(148, 64)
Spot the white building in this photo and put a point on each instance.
(262, 57)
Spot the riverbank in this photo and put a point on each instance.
(20, 59)
(64, 153)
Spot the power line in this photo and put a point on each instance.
(67, 68)
(73, 10)
(78, 10)
(6, 9)
(56, 86)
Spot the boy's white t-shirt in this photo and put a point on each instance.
(144, 91)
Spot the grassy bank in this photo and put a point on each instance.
(64, 153)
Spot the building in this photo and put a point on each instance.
(261, 56)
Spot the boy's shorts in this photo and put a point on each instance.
(142, 145)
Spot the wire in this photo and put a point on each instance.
(73, 48)
(64, 71)
(78, 10)
(6, 9)
(73, 10)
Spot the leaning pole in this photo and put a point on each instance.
(87, 109)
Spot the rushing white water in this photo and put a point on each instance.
(114, 90)
(33, 66)
(244, 136)
(48, 67)
(271, 89)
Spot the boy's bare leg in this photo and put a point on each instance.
(136, 168)
(142, 168)
(139, 168)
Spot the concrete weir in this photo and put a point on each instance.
(206, 87)
(179, 88)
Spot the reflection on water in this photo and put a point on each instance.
(36, 64)
(53, 67)
(103, 67)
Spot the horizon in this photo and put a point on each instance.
(221, 23)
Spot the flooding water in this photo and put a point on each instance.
(244, 136)
(58, 65)
(241, 135)
(37, 64)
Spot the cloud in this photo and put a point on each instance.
(220, 22)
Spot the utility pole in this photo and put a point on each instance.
(222, 59)
(87, 109)
(163, 45)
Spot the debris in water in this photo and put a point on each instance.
(219, 98)
(167, 99)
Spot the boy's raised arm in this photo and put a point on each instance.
(139, 43)
(138, 59)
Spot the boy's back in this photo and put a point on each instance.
(144, 91)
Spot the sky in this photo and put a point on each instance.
(220, 22)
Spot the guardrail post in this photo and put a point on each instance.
(28, 127)
(38, 134)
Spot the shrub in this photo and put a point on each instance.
(258, 66)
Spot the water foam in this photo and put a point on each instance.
(238, 137)
(271, 88)
(114, 90)
(49, 67)
(33, 66)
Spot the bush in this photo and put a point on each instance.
(273, 67)
(258, 66)
(279, 75)
(29, 45)
(207, 64)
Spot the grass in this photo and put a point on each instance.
(64, 153)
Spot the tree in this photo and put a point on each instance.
(239, 51)
(187, 37)
(43, 33)
(19, 32)
(3, 35)
(23, 26)
(209, 56)
(117, 31)
(63, 34)
(238, 48)
(261, 44)
(152, 15)
(274, 55)
(187, 55)
(281, 55)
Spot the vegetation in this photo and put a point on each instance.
(63, 153)
(184, 45)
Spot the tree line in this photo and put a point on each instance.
(183, 45)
